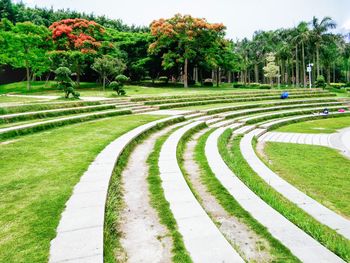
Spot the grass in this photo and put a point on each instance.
(320, 172)
(112, 234)
(317, 126)
(38, 173)
(162, 206)
(279, 252)
(12, 100)
(326, 236)
(61, 122)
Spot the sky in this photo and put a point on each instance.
(241, 17)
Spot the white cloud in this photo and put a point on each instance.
(346, 25)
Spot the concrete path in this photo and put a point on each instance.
(300, 244)
(202, 238)
(309, 205)
(55, 97)
(170, 112)
(80, 231)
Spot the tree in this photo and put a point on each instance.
(319, 29)
(271, 69)
(177, 39)
(79, 38)
(7, 10)
(107, 66)
(118, 84)
(64, 82)
(25, 45)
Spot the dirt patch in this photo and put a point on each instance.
(249, 245)
(144, 239)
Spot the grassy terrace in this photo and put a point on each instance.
(38, 173)
(320, 172)
(326, 236)
(317, 126)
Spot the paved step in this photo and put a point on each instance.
(299, 138)
(80, 231)
(295, 112)
(309, 205)
(276, 103)
(276, 108)
(298, 242)
(202, 238)
(244, 129)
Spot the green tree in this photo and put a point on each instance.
(177, 39)
(271, 69)
(319, 30)
(25, 45)
(107, 66)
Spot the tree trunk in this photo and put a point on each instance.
(104, 83)
(217, 77)
(296, 66)
(185, 76)
(256, 73)
(318, 59)
(78, 75)
(28, 75)
(229, 77)
(304, 66)
(328, 74)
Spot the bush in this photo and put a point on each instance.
(320, 82)
(337, 85)
(118, 84)
(254, 85)
(347, 84)
(65, 83)
(237, 85)
(265, 86)
(164, 79)
(208, 83)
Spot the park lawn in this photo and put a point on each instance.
(320, 172)
(17, 100)
(330, 125)
(38, 173)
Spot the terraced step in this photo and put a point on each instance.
(80, 231)
(300, 244)
(309, 205)
(202, 239)
(194, 102)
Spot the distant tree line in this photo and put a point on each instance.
(179, 49)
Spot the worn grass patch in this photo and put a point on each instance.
(318, 126)
(38, 173)
(326, 236)
(320, 172)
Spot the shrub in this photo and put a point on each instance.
(347, 84)
(208, 83)
(265, 86)
(337, 85)
(118, 84)
(320, 82)
(238, 85)
(254, 85)
(64, 82)
(164, 79)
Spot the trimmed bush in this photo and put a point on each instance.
(320, 82)
(164, 79)
(265, 86)
(237, 85)
(118, 85)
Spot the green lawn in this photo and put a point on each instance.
(317, 126)
(320, 172)
(38, 173)
(12, 100)
(95, 90)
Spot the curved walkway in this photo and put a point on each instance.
(80, 231)
(309, 205)
(202, 238)
(300, 244)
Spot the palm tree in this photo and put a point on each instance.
(319, 29)
(304, 36)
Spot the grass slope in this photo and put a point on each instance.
(320, 172)
(38, 173)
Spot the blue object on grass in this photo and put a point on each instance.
(284, 95)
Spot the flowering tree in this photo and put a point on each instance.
(77, 39)
(182, 38)
(271, 70)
